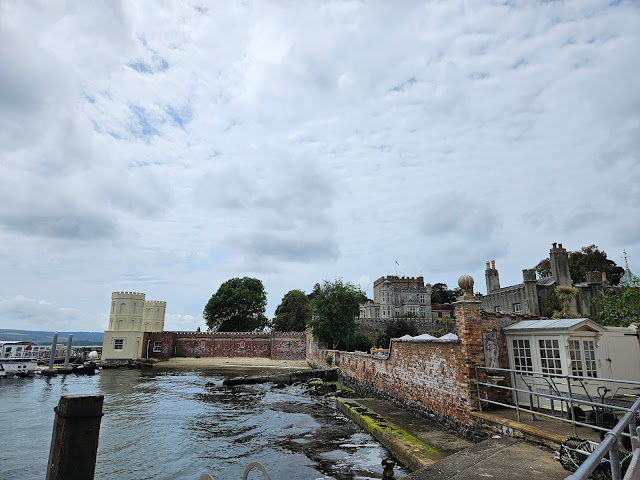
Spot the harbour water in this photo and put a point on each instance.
(178, 424)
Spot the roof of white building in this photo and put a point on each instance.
(556, 324)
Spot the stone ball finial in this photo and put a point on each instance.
(465, 282)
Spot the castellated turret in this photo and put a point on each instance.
(126, 311)
(131, 312)
(153, 318)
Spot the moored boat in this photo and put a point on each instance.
(17, 359)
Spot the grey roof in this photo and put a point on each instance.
(554, 324)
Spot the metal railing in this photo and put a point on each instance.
(572, 391)
(609, 445)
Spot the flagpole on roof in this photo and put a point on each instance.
(397, 267)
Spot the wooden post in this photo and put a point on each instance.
(74, 442)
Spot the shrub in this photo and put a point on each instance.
(360, 342)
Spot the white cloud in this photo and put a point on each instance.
(169, 149)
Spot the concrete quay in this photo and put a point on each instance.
(435, 453)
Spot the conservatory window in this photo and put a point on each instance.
(522, 355)
(550, 356)
(583, 358)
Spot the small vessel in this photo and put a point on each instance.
(17, 359)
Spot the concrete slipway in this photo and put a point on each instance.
(434, 453)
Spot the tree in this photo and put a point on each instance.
(590, 259)
(544, 268)
(293, 313)
(440, 293)
(587, 259)
(335, 306)
(619, 306)
(396, 328)
(550, 303)
(238, 306)
(565, 296)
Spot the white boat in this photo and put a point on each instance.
(17, 358)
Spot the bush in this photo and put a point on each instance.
(329, 359)
(360, 342)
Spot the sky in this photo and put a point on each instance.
(165, 147)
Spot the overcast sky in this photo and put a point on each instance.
(165, 147)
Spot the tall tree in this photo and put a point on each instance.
(587, 259)
(335, 306)
(293, 313)
(590, 259)
(619, 307)
(440, 293)
(238, 306)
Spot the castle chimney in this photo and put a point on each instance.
(488, 265)
(492, 278)
(555, 245)
(559, 259)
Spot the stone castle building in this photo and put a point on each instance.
(131, 315)
(526, 297)
(397, 296)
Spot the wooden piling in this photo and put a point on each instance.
(74, 442)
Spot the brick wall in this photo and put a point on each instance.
(434, 378)
(278, 346)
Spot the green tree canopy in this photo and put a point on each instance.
(396, 328)
(587, 259)
(238, 306)
(335, 306)
(619, 306)
(440, 293)
(293, 313)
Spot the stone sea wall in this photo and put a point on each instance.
(277, 346)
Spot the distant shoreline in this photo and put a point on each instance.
(231, 362)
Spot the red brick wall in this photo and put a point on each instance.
(425, 374)
(432, 377)
(279, 346)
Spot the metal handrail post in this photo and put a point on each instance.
(614, 459)
(478, 387)
(531, 415)
(515, 394)
(573, 412)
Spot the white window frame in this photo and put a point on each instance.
(118, 344)
(550, 358)
(517, 307)
(522, 354)
(582, 357)
(157, 347)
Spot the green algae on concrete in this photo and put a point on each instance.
(412, 452)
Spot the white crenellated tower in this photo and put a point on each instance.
(153, 316)
(131, 315)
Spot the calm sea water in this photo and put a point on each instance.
(178, 424)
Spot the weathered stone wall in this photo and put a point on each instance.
(278, 346)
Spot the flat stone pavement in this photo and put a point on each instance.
(495, 458)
